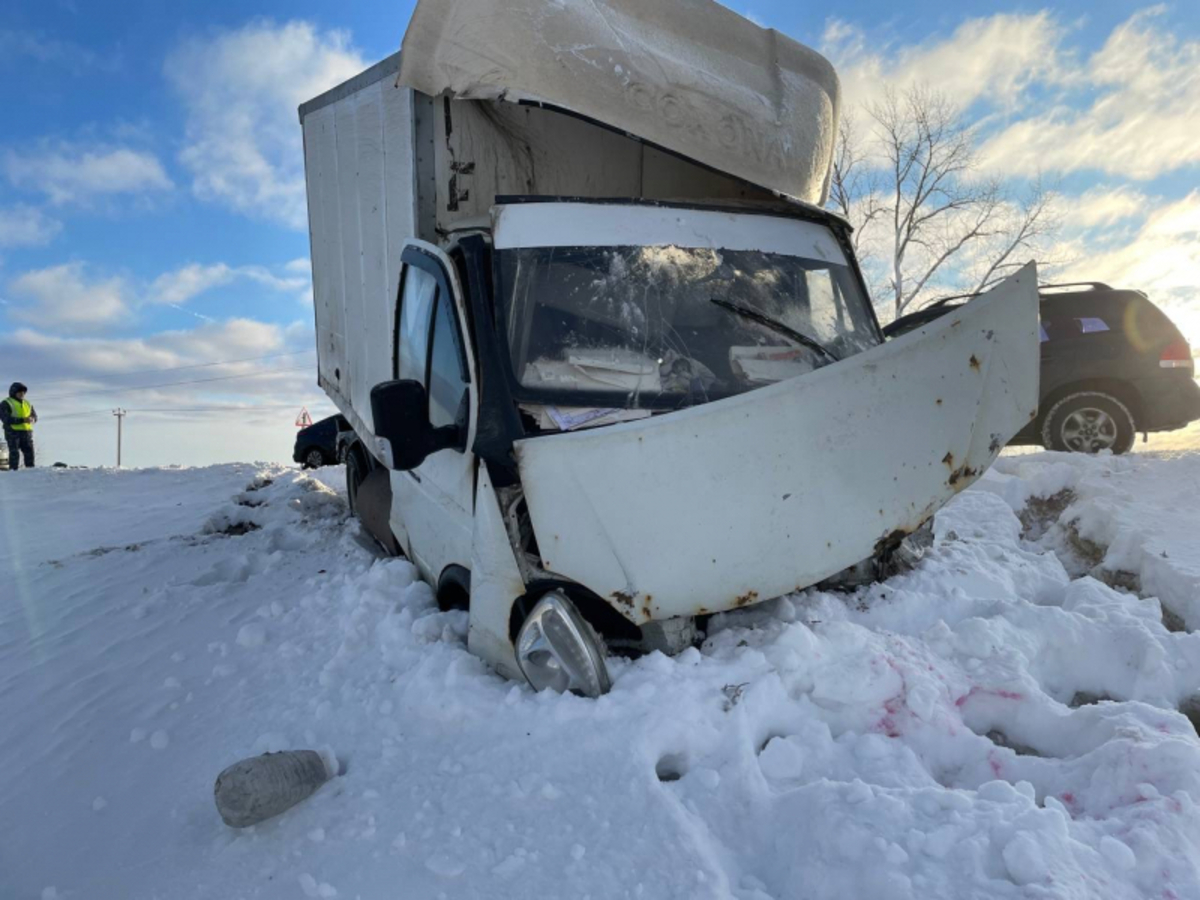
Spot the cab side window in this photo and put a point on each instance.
(447, 366)
(417, 299)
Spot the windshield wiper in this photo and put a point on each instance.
(776, 326)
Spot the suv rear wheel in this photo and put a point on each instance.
(1088, 422)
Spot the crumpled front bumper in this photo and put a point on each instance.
(753, 496)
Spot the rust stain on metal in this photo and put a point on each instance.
(746, 599)
(960, 473)
(892, 539)
(948, 459)
(939, 401)
(995, 445)
(974, 362)
(625, 599)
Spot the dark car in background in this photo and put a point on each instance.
(317, 445)
(1113, 365)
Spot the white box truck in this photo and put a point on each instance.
(610, 366)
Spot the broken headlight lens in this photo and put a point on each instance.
(557, 649)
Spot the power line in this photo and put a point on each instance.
(206, 365)
(168, 409)
(71, 415)
(173, 409)
(147, 387)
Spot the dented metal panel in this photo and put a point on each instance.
(495, 582)
(750, 497)
(490, 148)
(690, 76)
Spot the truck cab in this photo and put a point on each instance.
(609, 373)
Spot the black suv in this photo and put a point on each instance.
(1113, 364)
(316, 445)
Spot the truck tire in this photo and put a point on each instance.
(355, 473)
(1088, 422)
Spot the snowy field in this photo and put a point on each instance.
(1004, 721)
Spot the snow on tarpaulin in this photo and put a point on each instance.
(934, 736)
(690, 76)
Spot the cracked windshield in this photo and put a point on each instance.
(671, 325)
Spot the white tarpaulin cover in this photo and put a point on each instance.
(688, 75)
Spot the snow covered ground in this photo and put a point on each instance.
(1001, 722)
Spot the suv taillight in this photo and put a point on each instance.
(1177, 355)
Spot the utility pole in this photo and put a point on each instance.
(120, 414)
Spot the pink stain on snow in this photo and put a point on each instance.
(894, 706)
(995, 764)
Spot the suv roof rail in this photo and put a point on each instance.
(1094, 285)
(942, 301)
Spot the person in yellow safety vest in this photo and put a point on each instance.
(18, 416)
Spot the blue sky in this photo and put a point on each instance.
(151, 195)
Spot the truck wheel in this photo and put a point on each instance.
(355, 473)
(1089, 422)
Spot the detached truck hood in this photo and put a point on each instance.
(688, 75)
(753, 496)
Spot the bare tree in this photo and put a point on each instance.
(914, 193)
(854, 187)
(1027, 222)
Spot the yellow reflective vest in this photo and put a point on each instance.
(21, 411)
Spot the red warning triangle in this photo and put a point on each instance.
(304, 419)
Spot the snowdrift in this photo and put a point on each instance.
(1004, 721)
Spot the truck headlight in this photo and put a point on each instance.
(557, 649)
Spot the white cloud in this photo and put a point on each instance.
(269, 279)
(178, 287)
(993, 59)
(1105, 206)
(241, 90)
(1158, 251)
(66, 297)
(73, 173)
(1137, 119)
(144, 375)
(26, 226)
(95, 357)
(69, 375)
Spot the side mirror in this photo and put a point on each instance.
(400, 410)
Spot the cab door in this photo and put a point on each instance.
(433, 505)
